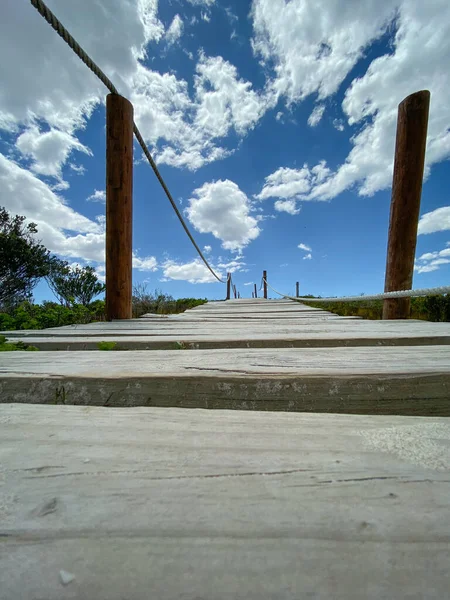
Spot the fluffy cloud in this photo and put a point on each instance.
(304, 247)
(194, 271)
(175, 30)
(308, 257)
(436, 220)
(291, 185)
(288, 206)
(186, 130)
(314, 45)
(432, 261)
(97, 196)
(149, 263)
(316, 116)
(222, 209)
(48, 150)
(201, 2)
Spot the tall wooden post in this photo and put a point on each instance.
(119, 206)
(235, 292)
(228, 286)
(297, 289)
(256, 291)
(239, 296)
(410, 146)
(265, 284)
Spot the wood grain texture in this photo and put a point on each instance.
(367, 380)
(168, 504)
(119, 206)
(405, 204)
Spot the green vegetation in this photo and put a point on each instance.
(23, 260)
(158, 303)
(73, 285)
(50, 314)
(9, 347)
(428, 308)
(107, 346)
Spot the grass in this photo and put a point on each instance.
(427, 308)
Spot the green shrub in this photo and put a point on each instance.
(107, 346)
(14, 347)
(427, 308)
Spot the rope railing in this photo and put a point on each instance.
(384, 296)
(52, 20)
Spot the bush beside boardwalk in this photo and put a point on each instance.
(51, 314)
(427, 308)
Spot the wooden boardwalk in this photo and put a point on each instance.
(112, 490)
(247, 354)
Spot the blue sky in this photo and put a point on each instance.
(272, 122)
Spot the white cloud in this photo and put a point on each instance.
(338, 124)
(64, 91)
(149, 263)
(233, 266)
(222, 209)
(49, 150)
(304, 247)
(436, 220)
(431, 261)
(206, 17)
(97, 196)
(185, 131)
(288, 206)
(308, 257)
(207, 249)
(292, 184)
(314, 45)
(194, 271)
(316, 116)
(201, 2)
(175, 30)
(249, 283)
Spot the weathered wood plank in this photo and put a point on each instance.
(152, 503)
(370, 380)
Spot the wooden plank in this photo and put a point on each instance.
(371, 380)
(151, 503)
(202, 337)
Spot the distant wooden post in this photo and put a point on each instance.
(253, 294)
(265, 284)
(235, 293)
(297, 289)
(228, 286)
(410, 146)
(239, 296)
(119, 207)
(256, 291)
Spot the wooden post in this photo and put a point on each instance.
(405, 204)
(234, 290)
(239, 296)
(228, 286)
(297, 289)
(265, 284)
(119, 207)
(256, 291)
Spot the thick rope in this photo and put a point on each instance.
(386, 296)
(45, 12)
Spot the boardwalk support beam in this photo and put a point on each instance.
(265, 284)
(119, 207)
(405, 204)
